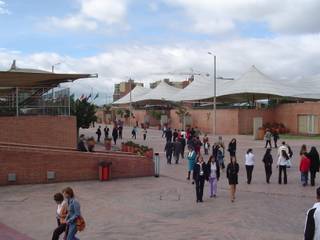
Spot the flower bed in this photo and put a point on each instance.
(141, 150)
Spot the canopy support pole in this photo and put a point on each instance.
(17, 101)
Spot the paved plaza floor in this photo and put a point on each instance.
(166, 208)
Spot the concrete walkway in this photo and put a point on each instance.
(165, 207)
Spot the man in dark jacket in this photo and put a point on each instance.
(177, 150)
(169, 135)
(312, 226)
(169, 149)
(98, 133)
(183, 145)
(175, 135)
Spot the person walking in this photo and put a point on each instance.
(267, 138)
(191, 160)
(134, 132)
(199, 176)
(206, 144)
(61, 214)
(73, 213)
(249, 162)
(220, 155)
(313, 155)
(275, 138)
(232, 175)
(115, 134)
(168, 150)
(213, 175)
(106, 132)
(304, 168)
(312, 225)
(268, 161)
(175, 135)
(232, 147)
(183, 145)
(144, 134)
(282, 165)
(169, 135)
(120, 130)
(98, 132)
(177, 150)
(197, 144)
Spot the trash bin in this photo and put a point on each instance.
(156, 160)
(104, 171)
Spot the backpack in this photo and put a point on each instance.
(81, 224)
(290, 151)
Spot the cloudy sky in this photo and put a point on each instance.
(137, 38)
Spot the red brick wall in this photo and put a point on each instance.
(246, 117)
(31, 165)
(227, 120)
(39, 130)
(288, 113)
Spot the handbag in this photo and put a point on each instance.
(81, 224)
(288, 163)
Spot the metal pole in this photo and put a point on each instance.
(215, 94)
(130, 106)
(17, 101)
(69, 107)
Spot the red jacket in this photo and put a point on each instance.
(304, 164)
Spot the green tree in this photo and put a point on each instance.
(84, 111)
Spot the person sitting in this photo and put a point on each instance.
(81, 144)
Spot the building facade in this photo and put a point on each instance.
(123, 88)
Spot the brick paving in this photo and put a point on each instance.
(165, 207)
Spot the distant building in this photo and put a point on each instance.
(123, 88)
(177, 84)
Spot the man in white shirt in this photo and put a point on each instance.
(312, 226)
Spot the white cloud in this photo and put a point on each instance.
(92, 14)
(216, 16)
(3, 8)
(289, 57)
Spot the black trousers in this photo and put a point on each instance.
(144, 136)
(169, 157)
(284, 170)
(268, 142)
(275, 143)
(115, 140)
(268, 170)
(176, 156)
(99, 136)
(58, 231)
(313, 177)
(182, 152)
(249, 170)
(199, 188)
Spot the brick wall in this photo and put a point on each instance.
(31, 165)
(57, 131)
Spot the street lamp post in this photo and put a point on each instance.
(52, 67)
(215, 91)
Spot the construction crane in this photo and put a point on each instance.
(191, 74)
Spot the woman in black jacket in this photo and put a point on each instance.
(199, 176)
(313, 155)
(232, 175)
(232, 148)
(268, 160)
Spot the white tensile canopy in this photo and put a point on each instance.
(163, 92)
(252, 85)
(136, 93)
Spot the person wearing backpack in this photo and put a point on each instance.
(74, 214)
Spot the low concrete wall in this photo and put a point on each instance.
(59, 131)
(31, 164)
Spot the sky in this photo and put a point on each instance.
(146, 39)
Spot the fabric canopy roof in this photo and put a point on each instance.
(163, 92)
(252, 85)
(136, 93)
(36, 78)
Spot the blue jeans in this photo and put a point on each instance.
(304, 178)
(72, 231)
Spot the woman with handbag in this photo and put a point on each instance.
(282, 165)
(73, 213)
